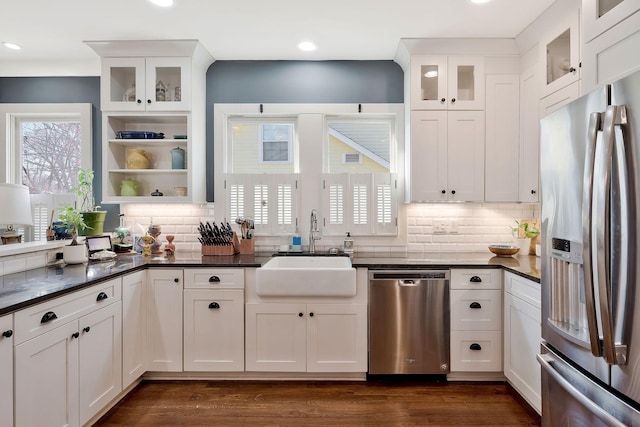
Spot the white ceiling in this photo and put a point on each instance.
(255, 29)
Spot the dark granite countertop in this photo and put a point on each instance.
(19, 290)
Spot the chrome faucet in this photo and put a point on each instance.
(314, 233)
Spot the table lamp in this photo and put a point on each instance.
(15, 208)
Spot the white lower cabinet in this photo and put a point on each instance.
(6, 370)
(213, 330)
(134, 327)
(522, 337)
(66, 374)
(298, 337)
(164, 320)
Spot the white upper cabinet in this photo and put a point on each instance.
(599, 16)
(561, 55)
(447, 82)
(146, 84)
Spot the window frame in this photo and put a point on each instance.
(291, 129)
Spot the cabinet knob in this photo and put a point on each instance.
(444, 191)
(311, 314)
(75, 335)
(453, 191)
(48, 317)
(101, 296)
(475, 279)
(214, 305)
(176, 280)
(475, 346)
(7, 334)
(533, 191)
(148, 101)
(300, 314)
(453, 100)
(139, 101)
(214, 279)
(475, 305)
(443, 100)
(86, 329)
(572, 69)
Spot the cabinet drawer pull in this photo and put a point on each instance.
(7, 334)
(475, 279)
(48, 317)
(475, 346)
(86, 329)
(75, 335)
(102, 296)
(214, 305)
(475, 305)
(176, 280)
(214, 279)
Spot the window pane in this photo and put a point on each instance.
(359, 146)
(261, 147)
(275, 151)
(50, 155)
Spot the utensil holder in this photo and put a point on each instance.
(231, 249)
(247, 246)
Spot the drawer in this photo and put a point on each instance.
(473, 310)
(522, 288)
(476, 279)
(30, 322)
(476, 351)
(214, 278)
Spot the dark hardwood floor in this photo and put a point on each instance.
(320, 403)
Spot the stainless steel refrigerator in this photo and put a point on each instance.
(589, 171)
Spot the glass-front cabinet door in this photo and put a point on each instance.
(447, 83)
(561, 56)
(600, 15)
(151, 84)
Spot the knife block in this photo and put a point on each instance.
(231, 249)
(247, 246)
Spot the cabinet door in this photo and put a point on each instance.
(164, 320)
(100, 360)
(529, 158)
(134, 327)
(559, 99)
(465, 83)
(46, 379)
(561, 56)
(600, 15)
(337, 338)
(6, 370)
(465, 156)
(276, 337)
(502, 138)
(429, 82)
(168, 85)
(122, 84)
(428, 156)
(522, 337)
(213, 330)
(476, 310)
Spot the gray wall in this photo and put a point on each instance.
(230, 82)
(298, 82)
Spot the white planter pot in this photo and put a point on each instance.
(523, 244)
(74, 254)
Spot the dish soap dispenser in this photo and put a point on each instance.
(296, 242)
(348, 245)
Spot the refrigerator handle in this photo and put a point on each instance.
(595, 120)
(615, 115)
(546, 362)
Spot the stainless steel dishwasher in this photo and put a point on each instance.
(409, 322)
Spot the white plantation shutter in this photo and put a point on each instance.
(261, 204)
(285, 204)
(385, 202)
(336, 203)
(335, 187)
(360, 203)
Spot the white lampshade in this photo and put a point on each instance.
(15, 205)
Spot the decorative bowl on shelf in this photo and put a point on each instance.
(135, 134)
(504, 250)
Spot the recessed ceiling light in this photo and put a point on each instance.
(479, 1)
(431, 74)
(11, 45)
(162, 3)
(307, 46)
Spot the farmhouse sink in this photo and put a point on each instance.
(310, 276)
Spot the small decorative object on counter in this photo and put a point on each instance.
(157, 193)
(137, 159)
(347, 247)
(146, 242)
(128, 187)
(177, 158)
(169, 247)
(154, 231)
(247, 244)
(217, 240)
(123, 238)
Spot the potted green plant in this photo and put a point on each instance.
(93, 218)
(74, 253)
(526, 237)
